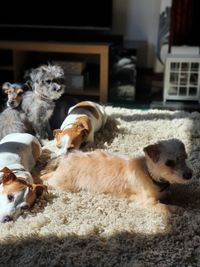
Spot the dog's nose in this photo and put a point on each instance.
(187, 175)
(11, 103)
(6, 219)
(58, 89)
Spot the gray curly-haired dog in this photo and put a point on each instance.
(47, 83)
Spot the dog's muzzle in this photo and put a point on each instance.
(57, 88)
(11, 104)
(6, 219)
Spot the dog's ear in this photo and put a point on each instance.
(6, 86)
(34, 74)
(153, 152)
(7, 175)
(28, 85)
(39, 189)
(84, 123)
(56, 131)
(83, 126)
(20, 91)
(83, 129)
(34, 191)
(57, 135)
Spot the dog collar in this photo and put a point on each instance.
(42, 97)
(162, 185)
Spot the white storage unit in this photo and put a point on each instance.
(182, 77)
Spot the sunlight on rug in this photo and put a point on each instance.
(84, 229)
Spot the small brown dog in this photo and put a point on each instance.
(14, 93)
(142, 179)
(12, 118)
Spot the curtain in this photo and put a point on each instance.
(185, 21)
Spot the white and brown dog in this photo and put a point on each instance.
(18, 155)
(83, 120)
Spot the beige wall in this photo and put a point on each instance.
(138, 20)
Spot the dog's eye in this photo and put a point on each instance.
(170, 163)
(10, 197)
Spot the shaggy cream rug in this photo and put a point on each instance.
(87, 230)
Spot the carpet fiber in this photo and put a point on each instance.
(86, 230)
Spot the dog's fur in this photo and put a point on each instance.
(61, 110)
(14, 92)
(83, 120)
(47, 83)
(18, 155)
(142, 179)
(12, 118)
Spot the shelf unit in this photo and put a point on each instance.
(182, 78)
(17, 52)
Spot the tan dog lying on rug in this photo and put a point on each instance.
(141, 179)
(83, 120)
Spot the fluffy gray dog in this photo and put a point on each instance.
(47, 83)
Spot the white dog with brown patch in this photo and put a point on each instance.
(83, 121)
(18, 155)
